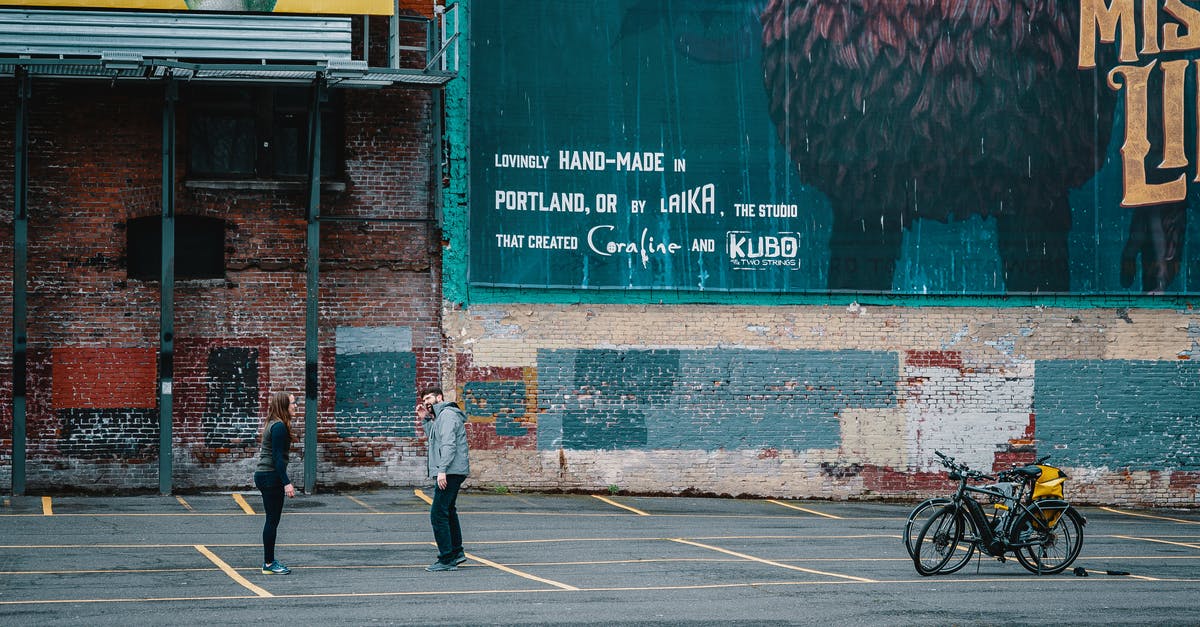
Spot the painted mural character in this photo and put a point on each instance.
(270, 475)
(942, 110)
(449, 465)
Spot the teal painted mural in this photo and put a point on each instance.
(786, 147)
(1118, 414)
(376, 379)
(706, 399)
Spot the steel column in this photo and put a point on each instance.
(19, 279)
(166, 320)
(312, 292)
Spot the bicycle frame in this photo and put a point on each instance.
(995, 534)
(990, 541)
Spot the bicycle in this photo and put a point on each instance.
(916, 521)
(1045, 535)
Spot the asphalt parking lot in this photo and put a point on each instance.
(359, 558)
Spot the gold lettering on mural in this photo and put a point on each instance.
(1167, 26)
(1107, 19)
(1138, 191)
(1150, 36)
(1172, 102)
(1188, 17)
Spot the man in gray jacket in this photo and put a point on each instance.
(446, 434)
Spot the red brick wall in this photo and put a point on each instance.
(93, 332)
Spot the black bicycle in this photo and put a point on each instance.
(1045, 534)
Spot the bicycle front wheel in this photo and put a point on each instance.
(936, 544)
(1048, 550)
(917, 518)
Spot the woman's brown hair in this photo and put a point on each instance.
(277, 409)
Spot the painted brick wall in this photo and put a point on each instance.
(582, 390)
(827, 401)
(92, 414)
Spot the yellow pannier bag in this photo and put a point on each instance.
(1049, 484)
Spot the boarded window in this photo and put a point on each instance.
(259, 133)
(199, 248)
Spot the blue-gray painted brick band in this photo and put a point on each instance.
(706, 399)
(358, 340)
(1140, 415)
(376, 395)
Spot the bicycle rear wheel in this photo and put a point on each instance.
(938, 541)
(917, 518)
(1051, 549)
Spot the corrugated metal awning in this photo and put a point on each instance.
(191, 46)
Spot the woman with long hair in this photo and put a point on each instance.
(270, 476)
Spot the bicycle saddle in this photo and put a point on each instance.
(1032, 472)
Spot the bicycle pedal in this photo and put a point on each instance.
(1001, 559)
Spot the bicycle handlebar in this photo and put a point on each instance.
(959, 470)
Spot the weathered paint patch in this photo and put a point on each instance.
(129, 434)
(232, 411)
(501, 403)
(376, 379)
(971, 416)
(1135, 414)
(934, 359)
(706, 400)
(358, 340)
(108, 378)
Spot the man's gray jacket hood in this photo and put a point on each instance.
(447, 436)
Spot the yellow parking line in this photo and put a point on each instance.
(360, 502)
(243, 504)
(804, 509)
(1178, 520)
(47, 507)
(616, 504)
(421, 495)
(513, 571)
(233, 574)
(184, 503)
(770, 563)
(1183, 544)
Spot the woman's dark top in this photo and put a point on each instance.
(273, 454)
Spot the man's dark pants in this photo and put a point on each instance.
(443, 515)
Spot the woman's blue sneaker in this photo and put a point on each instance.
(275, 568)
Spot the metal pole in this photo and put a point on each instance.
(366, 49)
(394, 36)
(20, 276)
(312, 291)
(166, 320)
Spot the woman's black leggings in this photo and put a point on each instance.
(272, 495)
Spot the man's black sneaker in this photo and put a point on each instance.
(460, 559)
(438, 567)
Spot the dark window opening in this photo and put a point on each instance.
(259, 133)
(199, 248)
